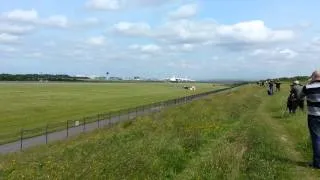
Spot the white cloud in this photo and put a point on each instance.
(50, 44)
(132, 29)
(56, 21)
(8, 49)
(32, 17)
(149, 48)
(316, 41)
(215, 58)
(188, 47)
(8, 38)
(104, 4)
(211, 33)
(182, 64)
(22, 15)
(304, 25)
(313, 46)
(91, 21)
(182, 47)
(288, 53)
(15, 29)
(253, 32)
(185, 11)
(34, 55)
(275, 53)
(97, 41)
(257, 52)
(186, 32)
(134, 46)
(150, 2)
(185, 35)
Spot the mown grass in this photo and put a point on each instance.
(32, 105)
(236, 135)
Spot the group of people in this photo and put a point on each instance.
(298, 94)
(272, 85)
(311, 93)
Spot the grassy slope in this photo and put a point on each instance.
(238, 135)
(29, 105)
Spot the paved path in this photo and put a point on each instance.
(73, 131)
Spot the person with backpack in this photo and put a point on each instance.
(296, 91)
(292, 102)
(270, 90)
(278, 84)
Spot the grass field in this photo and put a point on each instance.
(236, 135)
(31, 105)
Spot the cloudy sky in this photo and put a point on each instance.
(199, 39)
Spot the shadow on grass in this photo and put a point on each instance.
(292, 162)
(285, 115)
(282, 116)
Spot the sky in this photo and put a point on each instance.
(198, 39)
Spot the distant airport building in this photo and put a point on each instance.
(115, 79)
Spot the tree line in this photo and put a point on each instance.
(299, 78)
(40, 77)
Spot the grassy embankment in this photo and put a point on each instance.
(237, 135)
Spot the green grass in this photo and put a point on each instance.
(234, 135)
(31, 105)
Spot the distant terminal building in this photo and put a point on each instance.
(115, 79)
(100, 78)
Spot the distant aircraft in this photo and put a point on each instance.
(175, 79)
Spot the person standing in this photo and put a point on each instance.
(312, 92)
(296, 90)
(271, 87)
(278, 84)
(292, 102)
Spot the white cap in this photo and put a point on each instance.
(296, 82)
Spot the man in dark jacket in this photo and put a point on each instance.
(278, 84)
(312, 92)
(292, 102)
(296, 90)
(270, 87)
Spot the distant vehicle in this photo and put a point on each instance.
(192, 88)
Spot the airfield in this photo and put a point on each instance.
(238, 134)
(35, 105)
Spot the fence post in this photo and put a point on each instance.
(67, 128)
(99, 120)
(128, 114)
(136, 112)
(47, 134)
(84, 124)
(21, 139)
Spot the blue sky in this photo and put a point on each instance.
(199, 39)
